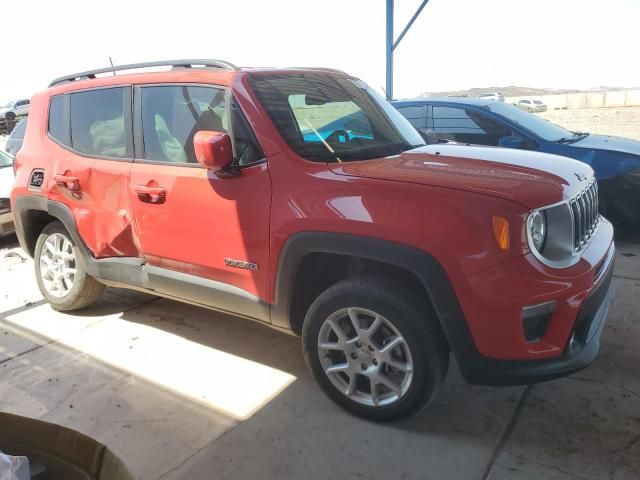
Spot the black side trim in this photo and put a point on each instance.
(424, 266)
(132, 272)
(203, 291)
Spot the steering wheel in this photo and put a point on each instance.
(335, 136)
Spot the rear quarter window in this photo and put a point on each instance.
(98, 124)
(58, 124)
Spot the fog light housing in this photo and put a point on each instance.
(535, 320)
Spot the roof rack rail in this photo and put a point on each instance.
(321, 69)
(190, 63)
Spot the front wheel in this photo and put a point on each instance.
(375, 348)
(60, 271)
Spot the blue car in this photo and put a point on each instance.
(615, 160)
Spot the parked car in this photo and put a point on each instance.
(615, 160)
(6, 183)
(383, 253)
(14, 142)
(492, 96)
(531, 105)
(12, 110)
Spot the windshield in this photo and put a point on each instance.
(542, 128)
(329, 118)
(5, 160)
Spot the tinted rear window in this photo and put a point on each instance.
(98, 122)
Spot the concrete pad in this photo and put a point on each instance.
(150, 429)
(586, 426)
(628, 259)
(293, 430)
(301, 434)
(32, 326)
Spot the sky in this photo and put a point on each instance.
(454, 44)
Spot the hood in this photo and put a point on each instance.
(6, 181)
(532, 179)
(606, 142)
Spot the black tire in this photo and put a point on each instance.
(10, 116)
(530, 110)
(85, 290)
(410, 315)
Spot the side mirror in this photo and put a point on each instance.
(511, 142)
(213, 151)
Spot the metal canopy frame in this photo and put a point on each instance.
(391, 45)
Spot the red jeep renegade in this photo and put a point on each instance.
(300, 198)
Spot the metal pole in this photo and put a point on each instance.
(389, 50)
(413, 19)
(390, 45)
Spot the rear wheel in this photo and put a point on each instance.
(61, 273)
(375, 348)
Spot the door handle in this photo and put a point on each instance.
(69, 182)
(151, 194)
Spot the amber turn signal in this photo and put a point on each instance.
(501, 232)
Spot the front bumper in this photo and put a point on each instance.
(580, 351)
(492, 347)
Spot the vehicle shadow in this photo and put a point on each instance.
(453, 409)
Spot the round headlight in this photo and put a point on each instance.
(537, 225)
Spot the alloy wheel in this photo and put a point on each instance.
(365, 357)
(57, 265)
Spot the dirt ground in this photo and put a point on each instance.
(621, 122)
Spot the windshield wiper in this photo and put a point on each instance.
(576, 136)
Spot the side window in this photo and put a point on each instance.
(58, 126)
(98, 122)
(417, 116)
(172, 115)
(467, 126)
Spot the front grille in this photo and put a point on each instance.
(584, 207)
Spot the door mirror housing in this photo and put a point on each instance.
(213, 151)
(511, 142)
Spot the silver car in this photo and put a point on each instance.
(6, 183)
(14, 142)
(11, 110)
(531, 105)
(498, 97)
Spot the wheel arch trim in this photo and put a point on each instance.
(421, 264)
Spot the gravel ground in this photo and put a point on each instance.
(622, 122)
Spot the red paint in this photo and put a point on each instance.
(440, 199)
(213, 149)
